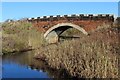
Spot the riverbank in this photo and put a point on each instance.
(93, 56)
(19, 37)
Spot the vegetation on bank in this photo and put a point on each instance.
(90, 56)
(19, 37)
(93, 56)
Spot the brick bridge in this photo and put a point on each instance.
(53, 26)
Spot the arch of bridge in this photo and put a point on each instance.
(69, 25)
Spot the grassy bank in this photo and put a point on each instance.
(19, 37)
(96, 55)
(90, 56)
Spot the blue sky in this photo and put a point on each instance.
(18, 10)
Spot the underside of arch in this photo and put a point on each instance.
(59, 28)
(53, 33)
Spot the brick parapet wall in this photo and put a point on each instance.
(73, 17)
(88, 22)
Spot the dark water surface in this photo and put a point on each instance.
(22, 65)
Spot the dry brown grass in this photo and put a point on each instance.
(91, 56)
(18, 36)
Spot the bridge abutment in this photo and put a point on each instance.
(52, 37)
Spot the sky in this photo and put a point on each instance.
(18, 10)
(60, 0)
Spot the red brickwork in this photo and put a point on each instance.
(89, 22)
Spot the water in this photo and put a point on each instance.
(23, 65)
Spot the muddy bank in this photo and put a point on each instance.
(92, 56)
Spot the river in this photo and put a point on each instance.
(23, 65)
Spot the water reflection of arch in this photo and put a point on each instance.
(26, 59)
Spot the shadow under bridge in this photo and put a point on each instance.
(53, 33)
